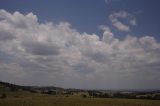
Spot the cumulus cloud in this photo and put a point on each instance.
(33, 53)
(117, 23)
(41, 49)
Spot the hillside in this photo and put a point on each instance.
(13, 90)
(16, 95)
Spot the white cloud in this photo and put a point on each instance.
(109, 1)
(36, 53)
(115, 19)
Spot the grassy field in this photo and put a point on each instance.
(25, 98)
(46, 100)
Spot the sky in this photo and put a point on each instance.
(88, 44)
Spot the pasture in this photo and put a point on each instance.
(49, 100)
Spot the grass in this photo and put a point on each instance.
(25, 98)
(46, 100)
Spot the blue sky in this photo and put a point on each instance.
(91, 44)
(87, 15)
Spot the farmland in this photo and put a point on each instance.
(15, 95)
(46, 100)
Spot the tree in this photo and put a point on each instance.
(84, 96)
(3, 96)
(157, 97)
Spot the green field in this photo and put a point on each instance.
(49, 100)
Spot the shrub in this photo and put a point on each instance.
(84, 96)
(3, 96)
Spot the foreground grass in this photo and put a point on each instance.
(45, 100)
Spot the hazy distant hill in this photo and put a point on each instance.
(14, 90)
(13, 87)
